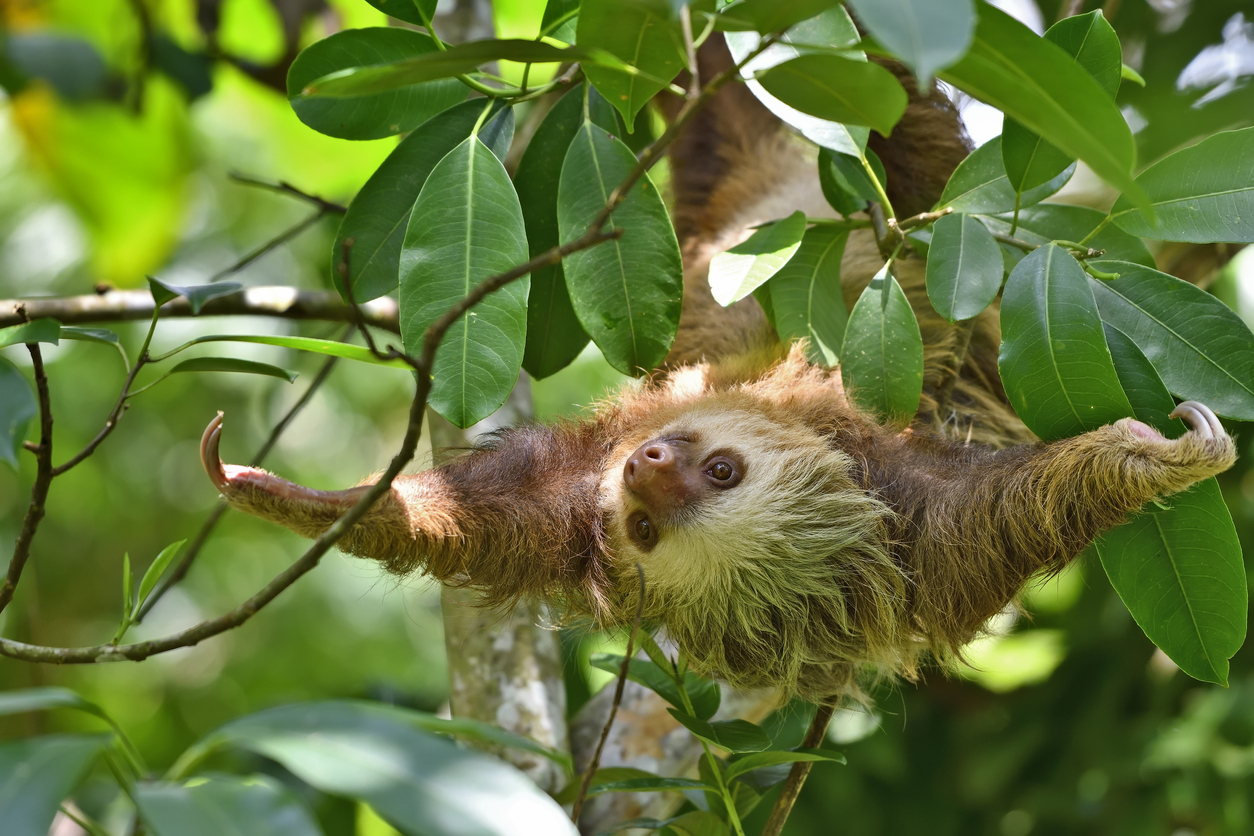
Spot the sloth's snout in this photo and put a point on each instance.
(651, 460)
(656, 474)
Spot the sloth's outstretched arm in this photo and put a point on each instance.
(516, 517)
(978, 524)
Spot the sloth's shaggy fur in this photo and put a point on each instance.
(848, 546)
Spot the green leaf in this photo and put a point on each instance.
(232, 364)
(604, 775)
(626, 292)
(378, 216)
(839, 193)
(775, 15)
(43, 330)
(467, 226)
(732, 735)
(805, 295)
(1151, 402)
(554, 335)
(42, 699)
(330, 348)
(704, 694)
(156, 569)
(414, 779)
(1128, 74)
(362, 112)
(1047, 222)
(964, 267)
(17, 408)
(838, 89)
(468, 729)
(655, 784)
(1040, 85)
(407, 10)
(698, 823)
(1054, 361)
(256, 805)
(1203, 193)
(831, 29)
(638, 36)
(1092, 42)
(737, 272)
(128, 587)
(96, 335)
(760, 759)
(881, 359)
(979, 184)
(196, 296)
(849, 175)
(560, 19)
(1201, 349)
(37, 774)
(925, 34)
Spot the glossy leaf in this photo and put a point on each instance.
(407, 10)
(604, 775)
(42, 699)
(638, 36)
(839, 193)
(925, 34)
(806, 299)
(1151, 402)
(775, 15)
(331, 348)
(1047, 222)
(848, 174)
(369, 115)
(196, 295)
(554, 335)
(1054, 362)
(732, 735)
(419, 782)
(626, 292)
(17, 408)
(702, 693)
(737, 272)
(1203, 193)
(760, 759)
(466, 728)
(156, 569)
(466, 226)
(378, 216)
(256, 805)
(232, 364)
(1092, 42)
(95, 335)
(1040, 85)
(656, 784)
(560, 20)
(979, 184)
(36, 774)
(881, 358)
(838, 89)
(1200, 348)
(43, 330)
(964, 267)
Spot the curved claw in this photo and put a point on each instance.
(1200, 419)
(209, 456)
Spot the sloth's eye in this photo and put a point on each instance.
(642, 530)
(723, 473)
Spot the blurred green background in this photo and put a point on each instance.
(1070, 722)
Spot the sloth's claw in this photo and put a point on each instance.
(1200, 419)
(209, 456)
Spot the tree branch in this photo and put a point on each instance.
(800, 770)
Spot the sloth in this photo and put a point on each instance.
(787, 539)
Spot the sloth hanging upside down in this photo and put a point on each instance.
(787, 539)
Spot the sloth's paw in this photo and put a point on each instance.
(1174, 464)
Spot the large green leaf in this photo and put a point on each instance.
(1200, 348)
(224, 806)
(466, 227)
(232, 364)
(846, 173)
(44, 330)
(833, 28)
(881, 359)
(42, 699)
(979, 184)
(964, 267)
(1040, 85)
(17, 407)
(418, 781)
(329, 348)
(637, 35)
(1204, 193)
(37, 774)
(1047, 222)
(1091, 40)
(925, 34)
(554, 335)
(732, 735)
(775, 15)
(704, 694)
(737, 272)
(838, 89)
(407, 10)
(627, 292)
(1054, 361)
(377, 217)
(371, 115)
(760, 759)
(1178, 568)
(560, 20)
(806, 301)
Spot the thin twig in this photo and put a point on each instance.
(694, 76)
(346, 278)
(115, 415)
(1018, 243)
(586, 782)
(275, 242)
(800, 770)
(283, 187)
(43, 480)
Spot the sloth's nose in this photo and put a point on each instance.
(650, 460)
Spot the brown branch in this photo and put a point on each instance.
(593, 764)
(277, 301)
(110, 423)
(43, 480)
(799, 772)
(275, 242)
(283, 187)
